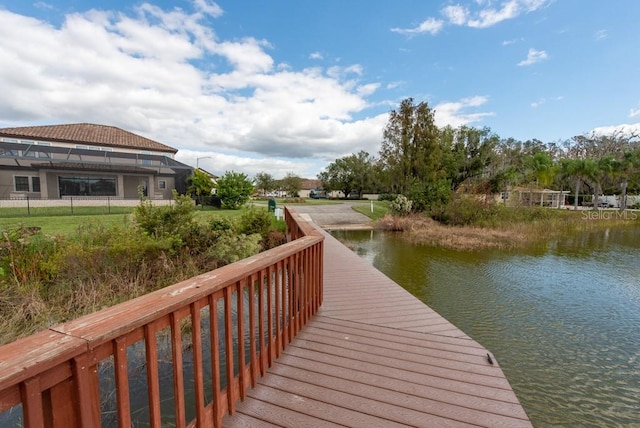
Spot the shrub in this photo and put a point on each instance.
(273, 239)
(219, 225)
(387, 197)
(255, 220)
(231, 248)
(401, 205)
(234, 189)
(165, 221)
(25, 257)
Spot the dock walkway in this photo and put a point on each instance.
(375, 356)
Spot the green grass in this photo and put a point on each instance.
(64, 225)
(61, 222)
(380, 209)
(23, 212)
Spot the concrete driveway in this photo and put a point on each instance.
(335, 216)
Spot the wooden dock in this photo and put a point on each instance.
(375, 356)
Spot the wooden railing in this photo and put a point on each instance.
(219, 331)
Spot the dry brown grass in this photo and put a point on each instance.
(421, 230)
(425, 231)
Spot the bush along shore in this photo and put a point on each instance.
(49, 279)
(472, 224)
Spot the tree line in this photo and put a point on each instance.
(429, 164)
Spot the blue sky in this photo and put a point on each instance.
(289, 85)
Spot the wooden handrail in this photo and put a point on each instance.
(58, 376)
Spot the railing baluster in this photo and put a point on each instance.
(178, 375)
(153, 384)
(271, 313)
(32, 403)
(228, 333)
(87, 391)
(241, 349)
(196, 343)
(279, 310)
(122, 381)
(259, 279)
(252, 329)
(215, 360)
(291, 297)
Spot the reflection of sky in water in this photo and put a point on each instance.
(564, 321)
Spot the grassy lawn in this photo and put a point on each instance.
(64, 224)
(60, 221)
(380, 208)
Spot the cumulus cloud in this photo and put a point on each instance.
(625, 130)
(481, 15)
(166, 75)
(532, 57)
(460, 112)
(456, 14)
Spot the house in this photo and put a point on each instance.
(86, 160)
(307, 185)
(522, 196)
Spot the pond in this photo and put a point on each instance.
(563, 319)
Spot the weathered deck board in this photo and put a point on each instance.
(375, 356)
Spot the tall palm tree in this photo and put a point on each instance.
(604, 168)
(543, 169)
(581, 170)
(623, 168)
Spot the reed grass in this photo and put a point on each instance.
(517, 230)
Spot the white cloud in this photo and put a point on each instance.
(542, 101)
(316, 55)
(624, 129)
(489, 17)
(533, 56)
(634, 112)
(430, 25)
(208, 7)
(484, 15)
(43, 5)
(601, 34)
(456, 14)
(166, 75)
(457, 113)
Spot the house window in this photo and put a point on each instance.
(87, 186)
(22, 184)
(162, 184)
(35, 184)
(144, 161)
(27, 184)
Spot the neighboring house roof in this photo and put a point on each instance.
(211, 176)
(310, 183)
(87, 133)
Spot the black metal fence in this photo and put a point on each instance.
(76, 205)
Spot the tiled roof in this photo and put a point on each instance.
(87, 133)
(310, 183)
